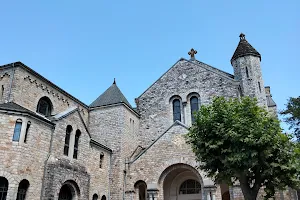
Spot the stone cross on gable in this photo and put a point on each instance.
(192, 53)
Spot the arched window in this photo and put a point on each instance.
(101, 159)
(67, 140)
(75, 154)
(3, 188)
(17, 130)
(190, 187)
(22, 190)
(95, 197)
(247, 72)
(26, 132)
(103, 197)
(194, 106)
(44, 106)
(141, 188)
(176, 110)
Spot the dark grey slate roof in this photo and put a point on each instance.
(112, 95)
(270, 101)
(11, 106)
(244, 49)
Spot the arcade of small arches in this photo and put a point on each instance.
(22, 189)
(68, 191)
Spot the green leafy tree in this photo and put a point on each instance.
(292, 112)
(236, 140)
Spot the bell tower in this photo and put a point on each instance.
(247, 70)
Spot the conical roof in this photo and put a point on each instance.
(244, 49)
(112, 95)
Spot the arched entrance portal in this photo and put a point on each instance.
(181, 182)
(65, 193)
(69, 191)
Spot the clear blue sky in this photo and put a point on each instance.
(82, 45)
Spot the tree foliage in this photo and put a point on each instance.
(236, 140)
(292, 112)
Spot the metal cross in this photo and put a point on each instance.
(192, 53)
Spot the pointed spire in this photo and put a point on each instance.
(112, 95)
(244, 49)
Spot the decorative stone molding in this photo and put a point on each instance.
(47, 89)
(4, 75)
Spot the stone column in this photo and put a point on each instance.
(210, 193)
(152, 194)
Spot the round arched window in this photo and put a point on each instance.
(44, 106)
(190, 187)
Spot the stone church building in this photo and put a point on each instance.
(55, 147)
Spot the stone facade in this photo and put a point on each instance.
(109, 150)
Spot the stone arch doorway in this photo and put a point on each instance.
(69, 191)
(181, 182)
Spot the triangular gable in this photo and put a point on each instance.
(224, 74)
(72, 111)
(157, 139)
(67, 113)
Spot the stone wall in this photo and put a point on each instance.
(20, 160)
(253, 85)
(170, 150)
(28, 89)
(289, 194)
(85, 170)
(5, 83)
(106, 125)
(182, 80)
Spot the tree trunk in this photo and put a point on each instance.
(249, 194)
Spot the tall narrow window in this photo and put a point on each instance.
(75, 154)
(27, 129)
(67, 140)
(240, 91)
(176, 110)
(2, 91)
(259, 87)
(101, 159)
(194, 107)
(22, 190)
(44, 106)
(3, 187)
(247, 73)
(17, 131)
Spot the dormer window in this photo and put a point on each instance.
(44, 106)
